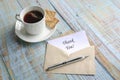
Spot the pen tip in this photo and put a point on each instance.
(46, 70)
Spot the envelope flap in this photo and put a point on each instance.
(54, 56)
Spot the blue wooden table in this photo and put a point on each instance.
(20, 60)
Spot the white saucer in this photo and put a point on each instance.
(21, 33)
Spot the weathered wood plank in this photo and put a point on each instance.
(0, 74)
(4, 75)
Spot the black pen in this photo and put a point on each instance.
(66, 63)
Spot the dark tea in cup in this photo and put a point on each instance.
(33, 16)
(33, 19)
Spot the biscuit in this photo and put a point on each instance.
(49, 15)
(52, 24)
(50, 19)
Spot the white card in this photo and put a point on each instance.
(71, 43)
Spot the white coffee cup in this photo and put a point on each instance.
(32, 28)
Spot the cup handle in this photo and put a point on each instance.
(18, 17)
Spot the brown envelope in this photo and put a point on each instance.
(55, 55)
